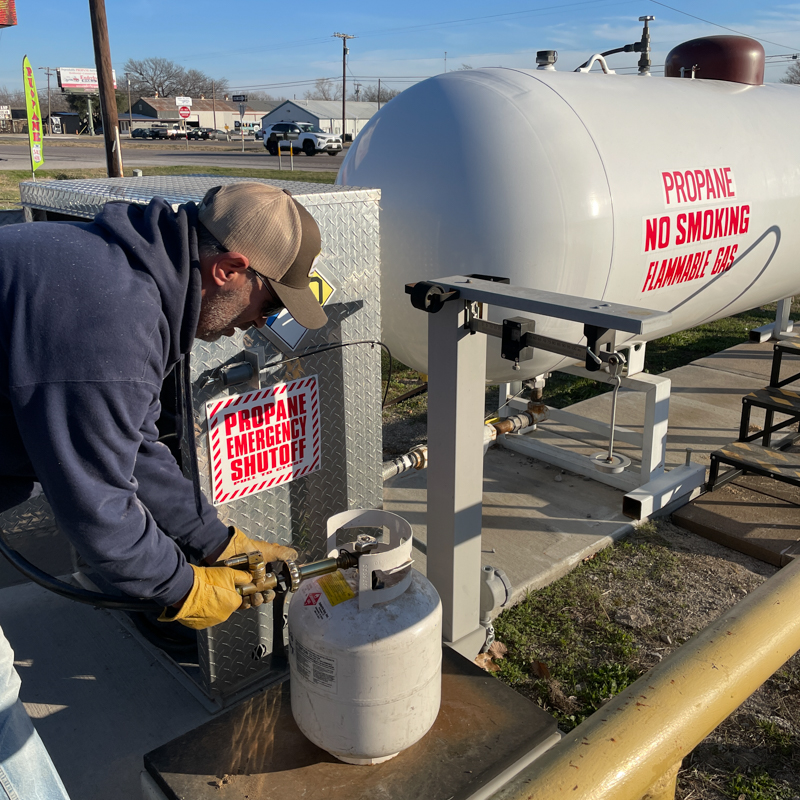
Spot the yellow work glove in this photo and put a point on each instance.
(240, 543)
(213, 597)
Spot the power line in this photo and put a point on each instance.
(386, 31)
(717, 25)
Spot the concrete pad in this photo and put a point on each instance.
(535, 528)
(750, 359)
(738, 517)
(98, 699)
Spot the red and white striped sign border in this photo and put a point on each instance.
(262, 439)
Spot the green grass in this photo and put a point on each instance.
(564, 648)
(775, 737)
(10, 179)
(758, 786)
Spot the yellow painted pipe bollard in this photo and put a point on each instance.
(633, 746)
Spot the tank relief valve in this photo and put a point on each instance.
(644, 47)
(546, 59)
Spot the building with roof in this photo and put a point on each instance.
(326, 114)
(215, 113)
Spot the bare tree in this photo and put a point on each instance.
(370, 94)
(792, 74)
(161, 77)
(12, 97)
(465, 66)
(261, 96)
(324, 89)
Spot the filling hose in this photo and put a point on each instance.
(47, 581)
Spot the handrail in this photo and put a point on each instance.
(633, 746)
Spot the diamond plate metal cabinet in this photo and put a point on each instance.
(236, 654)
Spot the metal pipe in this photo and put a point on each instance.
(414, 459)
(537, 412)
(418, 457)
(317, 568)
(631, 747)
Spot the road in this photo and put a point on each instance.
(15, 156)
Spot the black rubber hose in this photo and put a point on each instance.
(47, 581)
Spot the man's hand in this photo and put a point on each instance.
(212, 599)
(239, 543)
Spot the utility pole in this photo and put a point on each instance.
(130, 108)
(379, 94)
(445, 60)
(49, 71)
(105, 80)
(214, 104)
(344, 37)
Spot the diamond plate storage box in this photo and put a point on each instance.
(237, 654)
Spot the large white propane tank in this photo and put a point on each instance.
(366, 663)
(676, 195)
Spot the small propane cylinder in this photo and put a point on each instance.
(365, 647)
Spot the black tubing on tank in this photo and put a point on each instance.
(53, 584)
(628, 48)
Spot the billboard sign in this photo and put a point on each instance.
(76, 80)
(183, 101)
(8, 13)
(5, 112)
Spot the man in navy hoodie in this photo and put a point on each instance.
(94, 317)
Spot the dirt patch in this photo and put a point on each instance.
(574, 644)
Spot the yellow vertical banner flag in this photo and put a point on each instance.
(35, 126)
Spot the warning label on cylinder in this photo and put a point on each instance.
(314, 667)
(336, 588)
(261, 439)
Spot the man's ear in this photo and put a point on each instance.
(226, 267)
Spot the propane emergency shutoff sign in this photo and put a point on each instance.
(261, 439)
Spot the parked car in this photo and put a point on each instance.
(140, 133)
(199, 133)
(300, 136)
(222, 135)
(259, 134)
(159, 132)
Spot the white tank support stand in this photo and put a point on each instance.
(649, 491)
(455, 420)
(782, 328)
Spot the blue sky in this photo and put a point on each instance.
(255, 45)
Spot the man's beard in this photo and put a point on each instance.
(220, 311)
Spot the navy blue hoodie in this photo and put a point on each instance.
(92, 318)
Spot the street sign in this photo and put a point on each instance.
(185, 112)
(242, 110)
(239, 98)
(183, 101)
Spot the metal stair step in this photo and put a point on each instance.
(784, 401)
(764, 460)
